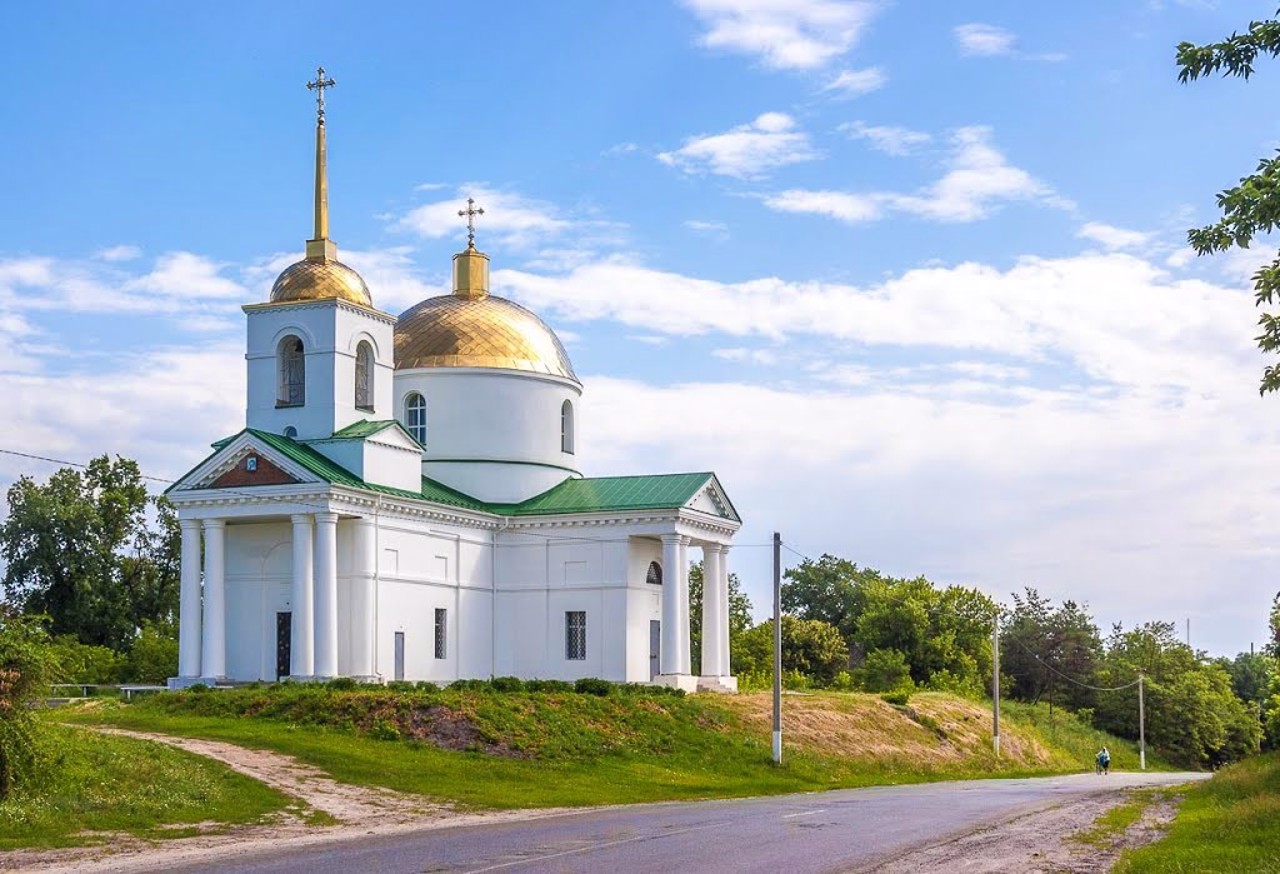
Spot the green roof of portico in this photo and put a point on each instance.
(587, 495)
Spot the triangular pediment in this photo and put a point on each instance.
(244, 461)
(711, 499)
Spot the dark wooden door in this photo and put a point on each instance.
(655, 647)
(284, 644)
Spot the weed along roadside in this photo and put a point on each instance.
(508, 743)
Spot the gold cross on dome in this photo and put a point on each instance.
(471, 212)
(318, 86)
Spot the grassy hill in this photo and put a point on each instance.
(521, 749)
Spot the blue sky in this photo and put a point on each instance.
(912, 277)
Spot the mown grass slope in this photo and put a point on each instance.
(523, 749)
(96, 786)
(1227, 823)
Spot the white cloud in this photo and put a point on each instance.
(747, 151)
(855, 83)
(886, 138)
(118, 253)
(718, 230)
(510, 219)
(988, 41)
(838, 205)
(784, 34)
(183, 274)
(750, 356)
(1112, 237)
(621, 149)
(978, 180)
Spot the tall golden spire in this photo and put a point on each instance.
(471, 267)
(321, 248)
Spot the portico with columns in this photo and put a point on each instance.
(407, 501)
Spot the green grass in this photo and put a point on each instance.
(1081, 742)
(1111, 825)
(100, 784)
(1224, 824)
(550, 749)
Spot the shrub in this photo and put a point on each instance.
(844, 682)
(27, 661)
(80, 663)
(593, 686)
(153, 657)
(899, 698)
(342, 684)
(547, 686)
(507, 684)
(394, 685)
(472, 685)
(426, 686)
(384, 730)
(885, 670)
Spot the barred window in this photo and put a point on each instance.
(292, 383)
(442, 628)
(654, 576)
(364, 376)
(575, 635)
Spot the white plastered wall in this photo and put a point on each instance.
(494, 434)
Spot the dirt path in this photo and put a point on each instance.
(359, 810)
(1038, 843)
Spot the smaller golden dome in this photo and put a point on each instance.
(316, 279)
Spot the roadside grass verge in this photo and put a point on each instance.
(1110, 827)
(1065, 732)
(1227, 823)
(537, 749)
(98, 785)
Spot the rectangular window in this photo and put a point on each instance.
(575, 635)
(442, 628)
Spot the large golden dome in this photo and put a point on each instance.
(320, 279)
(482, 331)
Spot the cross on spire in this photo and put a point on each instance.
(471, 212)
(318, 86)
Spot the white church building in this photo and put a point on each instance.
(406, 502)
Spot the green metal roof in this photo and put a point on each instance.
(662, 492)
(601, 494)
(363, 428)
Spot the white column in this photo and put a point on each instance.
(682, 604)
(326, 595)
(669, 655)
(189, 605)
(711, 609)
(362, 600)
(726, 665)
(301, 643)
(213, 661)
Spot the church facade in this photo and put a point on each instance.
(405, 502)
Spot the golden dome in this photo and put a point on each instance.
(320, 279)
(483, 331)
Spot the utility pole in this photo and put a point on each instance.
(777, 648)
(995, 684)
(1142, 727)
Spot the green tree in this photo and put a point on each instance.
(1042, 644)
(1252, 207)
(27, 663)
(1193, 716)
(739, 614)
(829, 589)
(809, 646)
(78, 549)
(885, 670)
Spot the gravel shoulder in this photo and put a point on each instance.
(1042, 842)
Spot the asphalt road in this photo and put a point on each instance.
(828, 831)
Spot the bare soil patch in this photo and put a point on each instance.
(1037, 843)
(359, 810)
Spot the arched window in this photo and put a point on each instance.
(364, 377)
(566, 427)
(415, 417)
(654, 576)
(291, 432)
(292, 382)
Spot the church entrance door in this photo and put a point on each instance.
(655, 646)
(284, 644)
(399, 675)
